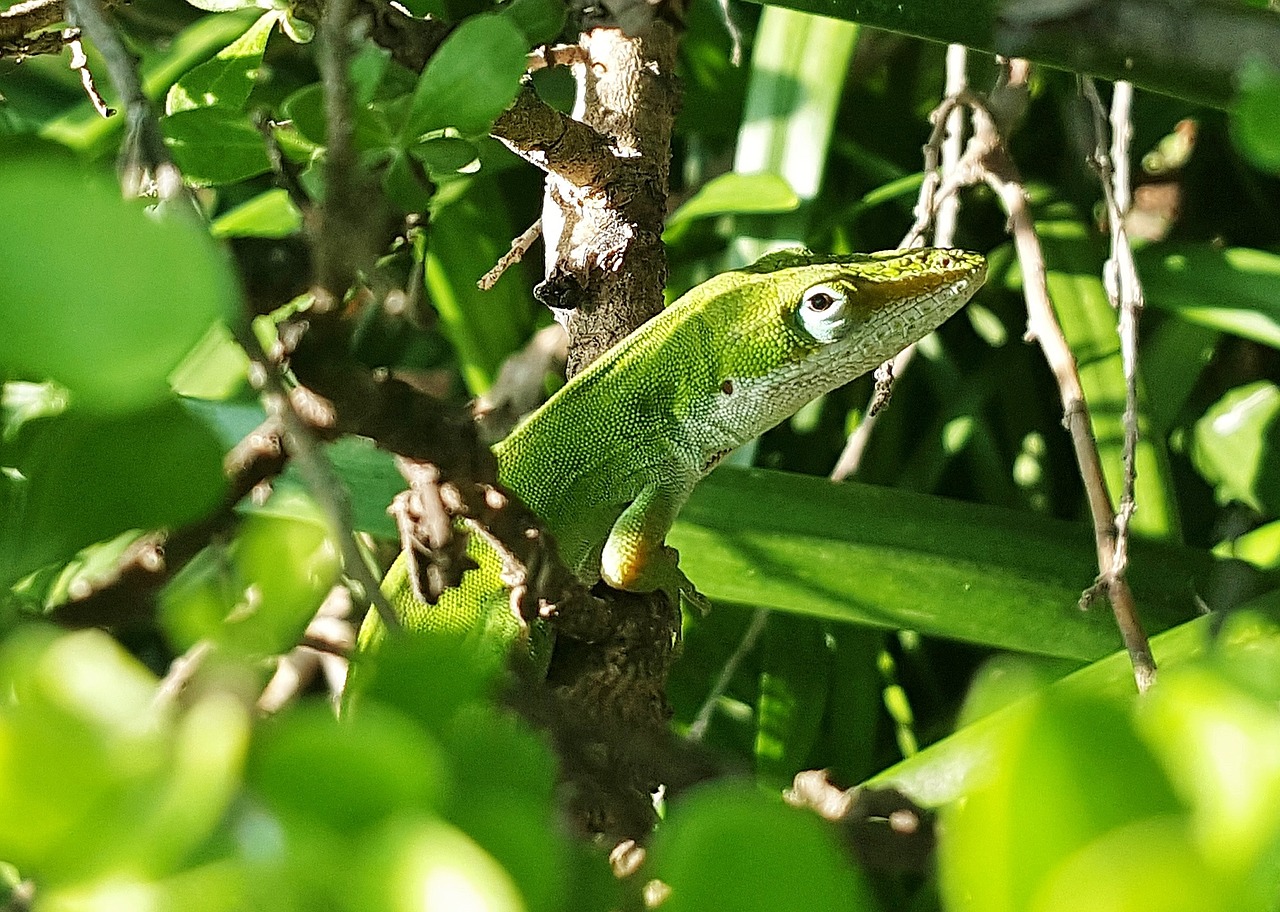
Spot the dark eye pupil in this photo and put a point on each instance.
(820, 301)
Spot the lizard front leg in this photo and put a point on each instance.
(636, 557)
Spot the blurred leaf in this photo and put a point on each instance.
(90, 477)
(216, 368)
(229, 77)
(736, 194)
(1144, 865)
(95, 777)
(727, 846)
(1259, 547)
(78, 743)
(504, 799)
(421, 865)
(1221, 745)
(1235, 289)
(471, 79)
(215, 145)
(1255, 117)
(259, 597)
(217, 887)
(76, 307)
(1057, 761)
(944, 771)
(270, 214)
(357, 772)
(1236, 446)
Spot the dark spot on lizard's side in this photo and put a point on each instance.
(726, 387)
(713, 461)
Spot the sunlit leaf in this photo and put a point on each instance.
(229, 77)
(470, 79)
(1236, 443)
(731, 847)
(1236, 289)
(215, 145)
(76, 306)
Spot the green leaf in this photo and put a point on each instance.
(464, 240)
(446, 155)
(540, 21)
(222, 6)
(85, 130)
(1255, 116)
(867, 555)
(1236, 289)
(215, 145)
(271, 214)
(358, 771)
(89, 477)
(305, 108)
(257, 598)
(471, 79)
(1056, 760)
(1236, 446)
(794, 679)
(229, 77)
(727, 846)
(77, 308)
(406, 184)
(945, 770)
(737, 194)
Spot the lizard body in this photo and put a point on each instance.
(610, 459)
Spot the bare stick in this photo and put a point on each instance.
(1122, 283)
(519, 247)
(759, 620)
(80, 63)
(146, 168)
(1043, 326)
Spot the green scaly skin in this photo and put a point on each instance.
(611, 458)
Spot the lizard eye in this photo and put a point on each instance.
(822, 312)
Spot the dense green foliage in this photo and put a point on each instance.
(923, 628)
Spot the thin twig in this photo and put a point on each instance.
(1042, 326)
(1124, 288)
(942, 156)
(146, 168)
(80, 63)
(759, 620)
(519, 247)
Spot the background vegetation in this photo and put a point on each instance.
(922, 627)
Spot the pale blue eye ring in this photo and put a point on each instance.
(823, 312)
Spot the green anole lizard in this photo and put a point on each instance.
(611, 458)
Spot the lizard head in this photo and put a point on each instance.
(795, 325)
